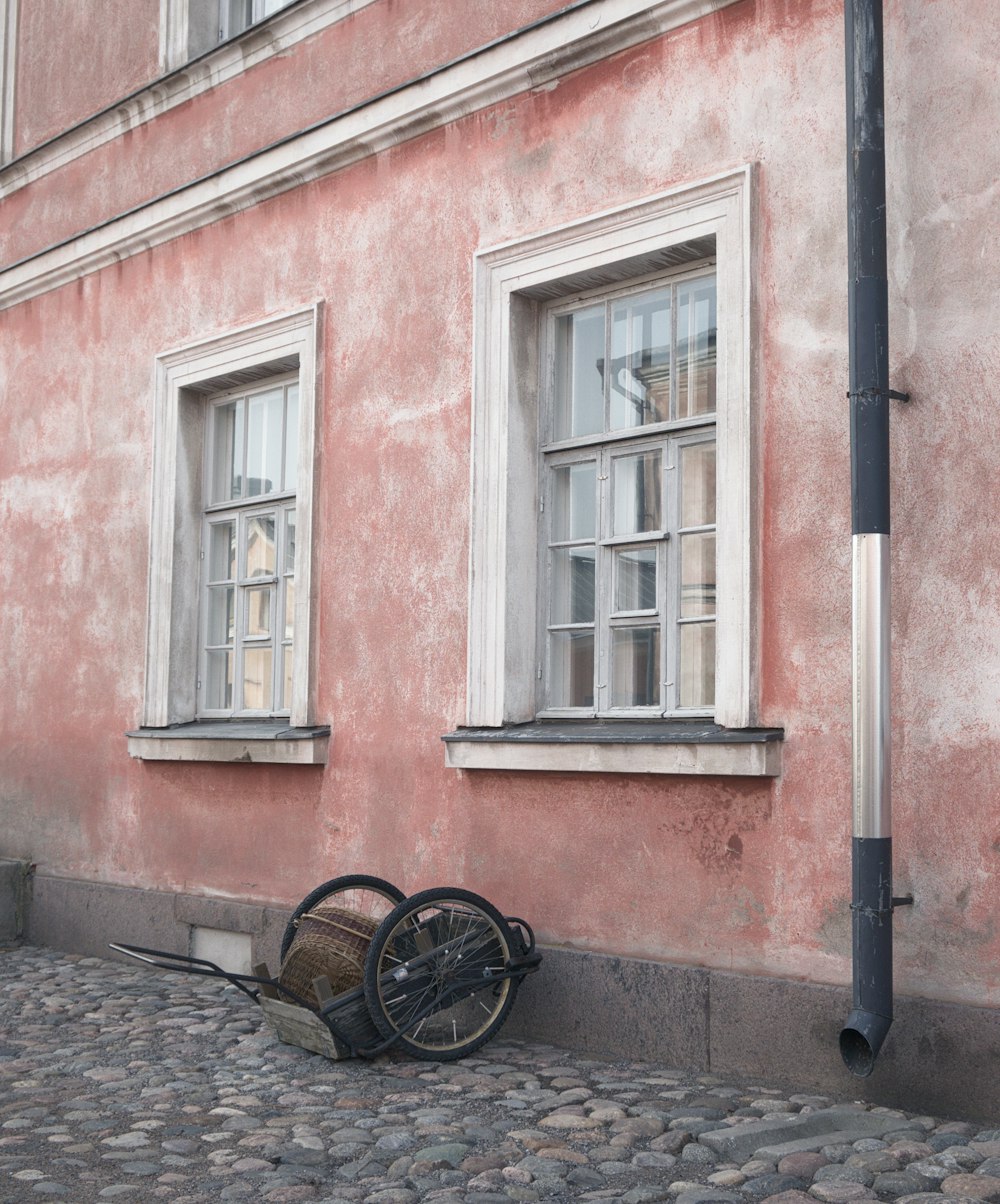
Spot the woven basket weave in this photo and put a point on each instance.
(330, 941)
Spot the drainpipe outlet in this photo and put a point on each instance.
(860, 1040)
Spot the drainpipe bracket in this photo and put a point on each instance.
(873, 394)
(879, 912)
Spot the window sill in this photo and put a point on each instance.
(246, 741)
(619, 747)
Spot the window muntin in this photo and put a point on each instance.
(628, 511)
(249, 553)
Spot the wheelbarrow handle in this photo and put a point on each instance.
(184, 964)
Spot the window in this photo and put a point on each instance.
(628, 502)
(237, 15)
(229, 620)
(248, 553)
(612, 481)
(189, 28)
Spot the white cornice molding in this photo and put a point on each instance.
(255, 45)
(534, 58)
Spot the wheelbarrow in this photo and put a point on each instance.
(364, 969)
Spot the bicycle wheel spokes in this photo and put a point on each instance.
(435, 974)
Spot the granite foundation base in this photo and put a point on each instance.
(939, 1058)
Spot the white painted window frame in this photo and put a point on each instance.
(8, 61)
(502, 653)
(182, 380)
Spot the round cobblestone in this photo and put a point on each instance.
(121, 1083)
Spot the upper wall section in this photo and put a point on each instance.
(308, 62)
(74, 59)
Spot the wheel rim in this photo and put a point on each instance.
(439, 974)
(366, 896)
(363, 900)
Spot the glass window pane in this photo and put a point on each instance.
(258, 611)
(220, 614)
(219, 681)
(227, 450)
(257, 679)
(580, 373)
(286, 699)
(222, 552)
(260, 550)
(697, 575)
(697, 684)
(289, 608)
(640, 360)
(696, 337)
(637, 491)
(574, 488)
(635, 579)
(571, 662)
(291, 437)
(573, 585)
(698, 485)
(635, 666)
(264, 429)
(289, 557)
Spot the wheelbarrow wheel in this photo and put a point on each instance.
(434, 974)
(361, 893)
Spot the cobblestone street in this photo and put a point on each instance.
(122, 1083)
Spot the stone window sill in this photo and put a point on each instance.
(701, 749)
(245, 741)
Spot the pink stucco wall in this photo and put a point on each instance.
(368, 52)
(742, 874)
(74, 59)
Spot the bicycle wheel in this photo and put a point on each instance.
(371, 897)
(434, 974)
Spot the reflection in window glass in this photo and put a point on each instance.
(696, 339)
(219, 686)
(697, 685)
(571, 656)
(257, 679)
(221, 615)
(640, 361)
(575, 501)
(638, 494)
(698, 484)
(222, 555)
(264, 449)
(580, 373)
(697, 575)
(260, 546)
(635, 666)
(635, 579)
(573, 585)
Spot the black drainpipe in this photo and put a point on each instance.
(868, 317)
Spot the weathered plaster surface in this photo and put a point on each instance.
(375, 49)
(74, 60)
(746, 876)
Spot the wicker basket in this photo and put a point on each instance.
(330, 941)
